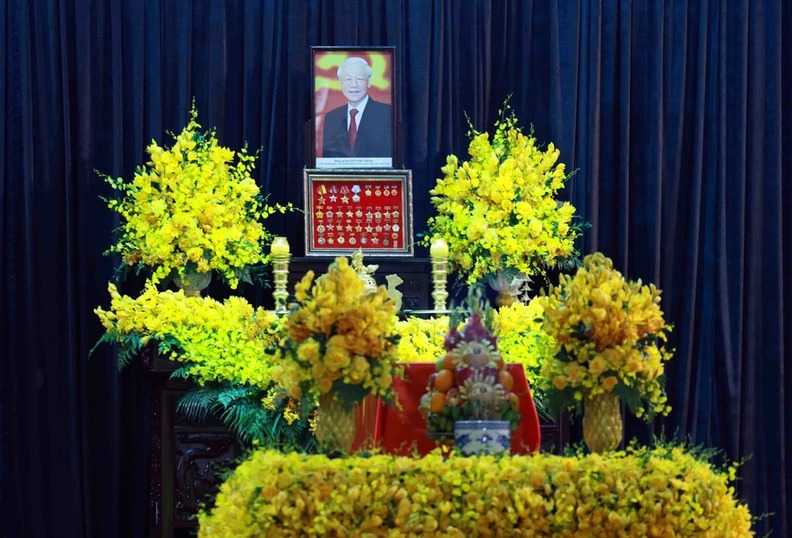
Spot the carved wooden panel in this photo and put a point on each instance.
(555, 435)
(199, 459)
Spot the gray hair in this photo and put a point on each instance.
(354, 60)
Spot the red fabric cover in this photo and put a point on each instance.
(403, 431)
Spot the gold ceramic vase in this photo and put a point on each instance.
(335, 425)
(507, 282)
(602, 422)
(504, 298)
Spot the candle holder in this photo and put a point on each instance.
(439, 280)
(280, 272)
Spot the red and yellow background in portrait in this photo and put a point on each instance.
(327, 88)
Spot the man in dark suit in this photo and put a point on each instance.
(363, 127)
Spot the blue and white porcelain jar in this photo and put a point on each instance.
(473, 437)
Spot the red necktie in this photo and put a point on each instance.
(352, 129)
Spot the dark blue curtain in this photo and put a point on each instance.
(675, 114)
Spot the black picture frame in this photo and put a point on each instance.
(375, 145)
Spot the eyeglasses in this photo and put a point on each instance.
(347, 81)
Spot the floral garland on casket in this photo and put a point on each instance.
(661, 491)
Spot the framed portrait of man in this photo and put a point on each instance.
(354, 103)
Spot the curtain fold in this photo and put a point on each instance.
(675, 115)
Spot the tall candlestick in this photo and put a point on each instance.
(280, 271)
(439, 254)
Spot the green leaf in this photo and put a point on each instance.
(169, 344)
(110, 337)
(182, 373)
(628, 395)
(349, 395)
(197, 403)
(128, 350)
(558, 400)
(232, 394)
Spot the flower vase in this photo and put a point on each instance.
(335, 425)
(602, 422)
(192, 283)
(474, 437)
(507, 283)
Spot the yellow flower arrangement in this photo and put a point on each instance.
(665, 491)
(498, 210)
(223, 347)
(193, 208)
(340, 338)
(521, 337)
(220, 341)
(421, 339)
(517, 328)
(609, 337)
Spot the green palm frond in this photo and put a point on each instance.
(240, 409)
(182, 372)
(198, 403)
(110, 337)
(169, 345)
(233, 394)
(130, 347)
(245, 417)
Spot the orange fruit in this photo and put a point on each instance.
(499, 364)
(437, 402)
(506, 380)
(444, 380)
(514, 399)
(448, 361)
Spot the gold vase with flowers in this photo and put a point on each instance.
(499, 212)
(341, 347)
(192, 210)
(609, 347)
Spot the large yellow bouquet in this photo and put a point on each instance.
(609, 338)
(341, 338)
(192, 208)
(220, 342)
(498, 210)
(223, 349)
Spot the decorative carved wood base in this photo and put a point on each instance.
(199, 458)
(186, 459)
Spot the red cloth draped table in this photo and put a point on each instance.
(403, 431)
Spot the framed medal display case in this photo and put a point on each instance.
(347, 210)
